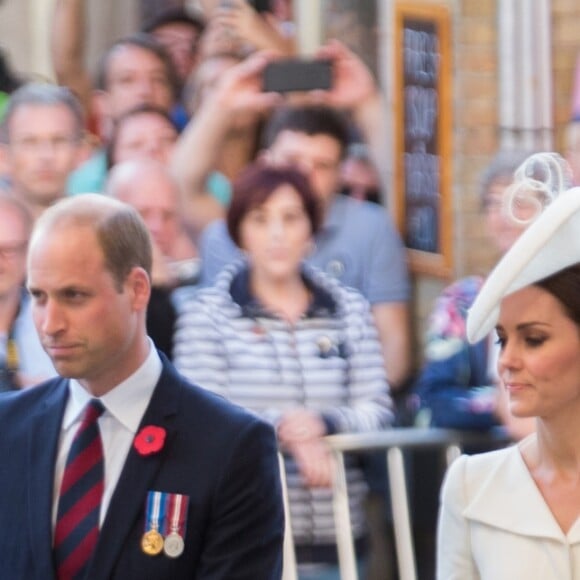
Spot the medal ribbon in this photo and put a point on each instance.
(156, 506)
(178, 510)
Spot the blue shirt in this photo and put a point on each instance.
(90, 176)
(358, 245)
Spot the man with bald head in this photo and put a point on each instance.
(119, 468)
(149, 187)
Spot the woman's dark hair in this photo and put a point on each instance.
(565, 287)
(257, 183)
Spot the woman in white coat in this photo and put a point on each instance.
(513, 514)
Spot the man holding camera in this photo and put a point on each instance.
(358, 243)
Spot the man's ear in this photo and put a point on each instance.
(101, 109)
(5, 166)
(139, 287)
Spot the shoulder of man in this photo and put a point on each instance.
(27, 398)
(363, 210)
(213, 408)
(18, 408)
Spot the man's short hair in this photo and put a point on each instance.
(120, 231)
(42, 94)
(311, 120)
(174, 15)
(143, 109)
(145, 42)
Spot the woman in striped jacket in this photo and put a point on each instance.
(291, 344)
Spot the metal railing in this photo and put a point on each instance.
(393, 442)
(290, 572)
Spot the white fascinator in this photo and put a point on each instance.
(542, 199)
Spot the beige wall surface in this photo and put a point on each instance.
(16, 34)
(25, 31)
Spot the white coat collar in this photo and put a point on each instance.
(505, 496)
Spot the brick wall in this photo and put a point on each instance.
(476, 130)
(476, 93)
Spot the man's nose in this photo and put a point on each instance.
(52, 318)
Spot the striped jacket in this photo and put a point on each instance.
(329, 361)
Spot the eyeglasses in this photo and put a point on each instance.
(13, 250)
(34, 144)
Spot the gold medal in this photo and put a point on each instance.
(152, 543)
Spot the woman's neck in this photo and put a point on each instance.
(287, 297)
(557, 444)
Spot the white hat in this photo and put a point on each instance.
(548, 245)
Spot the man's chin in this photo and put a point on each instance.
(46, 198)
(67, 370)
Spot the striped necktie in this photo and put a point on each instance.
(77, 522)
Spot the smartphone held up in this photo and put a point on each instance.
(257, 5)
(296, 74)
(260, 5)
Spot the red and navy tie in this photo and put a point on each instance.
(79, 503)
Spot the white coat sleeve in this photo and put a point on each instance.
(454, 556)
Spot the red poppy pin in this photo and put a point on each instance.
(149, 440)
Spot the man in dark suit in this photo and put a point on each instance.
(121, 469)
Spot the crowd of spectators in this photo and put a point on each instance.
(279, 279)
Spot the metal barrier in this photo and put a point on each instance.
(289, 572)
(393, 441)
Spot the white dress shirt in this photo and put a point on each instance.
(125, 406)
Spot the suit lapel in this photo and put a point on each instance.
(128, 500)
(42, 449)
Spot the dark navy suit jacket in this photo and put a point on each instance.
(218, 454)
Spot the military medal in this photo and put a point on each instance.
(152, 543)
(152, 540)
(174, 545)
